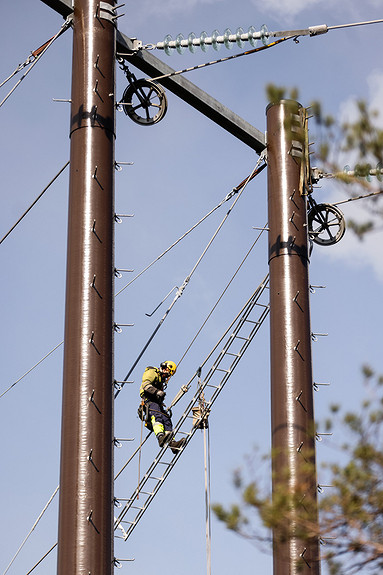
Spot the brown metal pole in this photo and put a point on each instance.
(296, 549)
(85, 541)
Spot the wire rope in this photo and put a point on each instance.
(180, 291)
(34, 203)
(42, 559)
(32, 368)
(206, 444)
(226, 198)
(221, 296)
(33, 527)
(358, 198)
(41, 51)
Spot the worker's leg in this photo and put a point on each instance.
(161, 423)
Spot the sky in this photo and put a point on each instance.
(182, 168)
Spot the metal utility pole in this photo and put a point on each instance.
(85, 542)
(292, 418)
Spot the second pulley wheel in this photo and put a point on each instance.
(326, 224)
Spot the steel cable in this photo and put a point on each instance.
(180, 291)
(45, 47)
(34, 203)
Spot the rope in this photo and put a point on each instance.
(139, 454)
(206, 446)
(32, 368)
(225, 199)
(253, 51)
(33, 527)
(35, 202)
(358, 198)
(42, 559)
(37, 54)
(257, 169)
(221, 296)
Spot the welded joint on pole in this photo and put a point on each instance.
(91, 400)
(90, 459)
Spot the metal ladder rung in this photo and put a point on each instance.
(146, 492)
(224, 370)
(157, 478)
(128, 522)
(165, 463)
(243, 338)
(136, 507)
(266, 306)
(215, 386)
(253, 322)
(233, 354)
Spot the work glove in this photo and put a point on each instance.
(160, 395)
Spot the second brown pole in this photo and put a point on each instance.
(295, 536)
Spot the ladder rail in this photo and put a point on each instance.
(240, 320)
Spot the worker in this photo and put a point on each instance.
(152, 392)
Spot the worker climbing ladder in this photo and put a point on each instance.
(235, 340)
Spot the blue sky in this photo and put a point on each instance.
(182, 168)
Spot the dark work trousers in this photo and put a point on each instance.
(158, 417)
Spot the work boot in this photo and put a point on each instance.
(162, 438)
(175, 446)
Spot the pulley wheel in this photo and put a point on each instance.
(326, 224)
(144, 102)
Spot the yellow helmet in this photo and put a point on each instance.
(170, 366)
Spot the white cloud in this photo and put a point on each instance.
(286, 10)
(375, 85)
(170, 8)
(350, 250)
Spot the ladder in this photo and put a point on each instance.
(241, 332)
